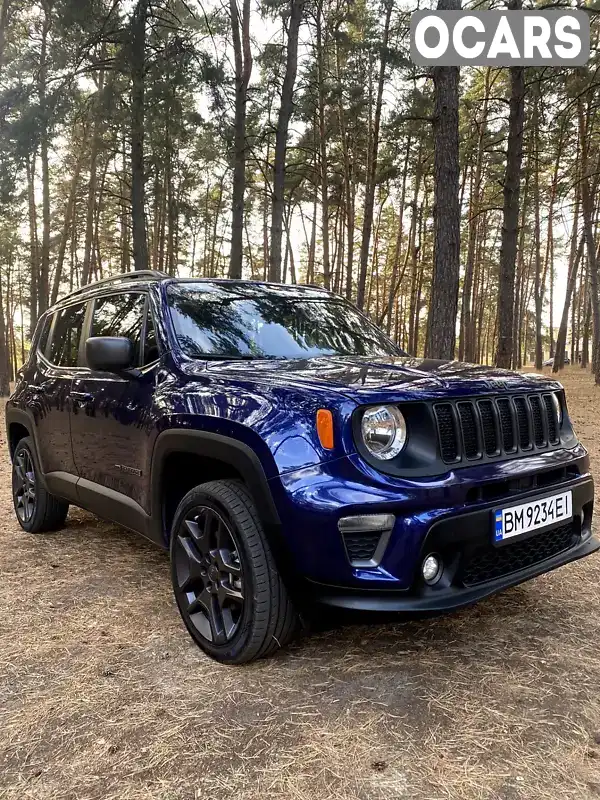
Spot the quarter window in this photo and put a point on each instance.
(44, 334)
(64, 350)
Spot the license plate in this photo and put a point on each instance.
(547, 511)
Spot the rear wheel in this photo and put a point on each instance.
(37, 510)
(226, 583)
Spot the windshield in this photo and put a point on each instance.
(217, 321)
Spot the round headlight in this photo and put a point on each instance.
(557, 408)
(384, 431)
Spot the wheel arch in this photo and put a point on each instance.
(18, 425)
(227, 457)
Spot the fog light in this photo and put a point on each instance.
(432, 569)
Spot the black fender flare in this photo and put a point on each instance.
(230, 451)
(20, 417)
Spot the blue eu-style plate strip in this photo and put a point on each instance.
(499, 530)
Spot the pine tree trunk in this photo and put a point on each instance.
(466, 345)
(395, 279)
(88, 259)
(5, 9)
(349, 191)
(4, 360)
(575, 260)
(512, 185)
(521, 277)
(138, 199)
(312, 250)
(124, 239)
(324, 164)
(281, 135)
(441, 327)
(243, 71)
(373, 160)
(585, 349)
(34, 249)
(68, 223)
(587, 207)
(549, 260)
(44, 273)
(575, 256)
(538, 285)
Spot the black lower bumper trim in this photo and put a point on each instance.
(447, 600)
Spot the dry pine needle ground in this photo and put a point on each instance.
(103, 695)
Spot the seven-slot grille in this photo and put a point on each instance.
(492, 427)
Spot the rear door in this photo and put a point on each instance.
(111, 426)
(57, 363)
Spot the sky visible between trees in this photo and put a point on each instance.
(294, 140)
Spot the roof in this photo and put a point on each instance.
(142, 279)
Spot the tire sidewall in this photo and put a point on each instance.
(232, 651)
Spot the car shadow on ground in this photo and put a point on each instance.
(526, 611)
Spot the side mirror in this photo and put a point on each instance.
(109, 353)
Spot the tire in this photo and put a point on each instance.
(228, 589)
(37, 510)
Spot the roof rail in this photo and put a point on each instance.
(122, 277)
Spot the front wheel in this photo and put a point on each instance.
(37, 510)
(227, 586)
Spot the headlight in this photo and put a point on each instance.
(557, 408)
(384, 432)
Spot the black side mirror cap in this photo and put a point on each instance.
(109, 353)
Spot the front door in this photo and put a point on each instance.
(111, 424)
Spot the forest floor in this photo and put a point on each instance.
(103, 696)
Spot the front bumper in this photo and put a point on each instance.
(457, 507)
(463, 540)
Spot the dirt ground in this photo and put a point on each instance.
(103, 695)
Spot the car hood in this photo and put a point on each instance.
(380, 379)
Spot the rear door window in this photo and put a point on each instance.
(64, 350)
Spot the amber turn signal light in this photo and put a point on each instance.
(325, 428)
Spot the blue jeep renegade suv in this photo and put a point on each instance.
(289, 455)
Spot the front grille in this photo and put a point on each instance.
(447, 431)
(488, 424)
(361, 546)
(552, 420)
(539, 436)
(468, 423)
(506, 421)
(523, 433)
(474, 429)
(489, 563)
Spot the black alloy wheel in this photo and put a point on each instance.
(209, 579)
(24, 486)
(37, 510)
(227, 585)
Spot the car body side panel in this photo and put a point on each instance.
(44, 395)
